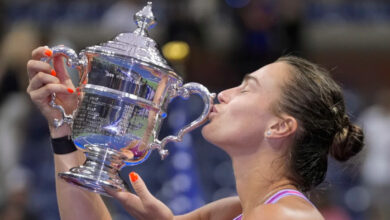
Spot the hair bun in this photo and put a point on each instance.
(347, 143)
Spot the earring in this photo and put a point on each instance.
(268, 133)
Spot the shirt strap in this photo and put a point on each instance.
(283, 193)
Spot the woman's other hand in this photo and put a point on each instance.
(43, 81)
(142, 205)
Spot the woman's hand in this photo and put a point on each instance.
(143, 205)
(43, 81)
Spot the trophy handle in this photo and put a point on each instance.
(185, 91)
(72, 61)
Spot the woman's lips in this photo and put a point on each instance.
(213, 112)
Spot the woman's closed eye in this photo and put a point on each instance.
(244, 90)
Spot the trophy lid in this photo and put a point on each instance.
(136, 45)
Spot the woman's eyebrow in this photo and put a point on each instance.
(248, 77)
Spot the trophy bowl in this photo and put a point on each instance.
(125, 87)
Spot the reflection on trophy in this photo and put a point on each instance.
(126, 86)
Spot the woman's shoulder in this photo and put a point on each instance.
(287, 208)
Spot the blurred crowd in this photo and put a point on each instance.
(226, 40)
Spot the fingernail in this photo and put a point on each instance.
(48, 52)
(133, 177)
(85, 82)
(78, 89)
(53, 73)
(78, 93)
(70, 90)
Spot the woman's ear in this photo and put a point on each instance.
(282, 127)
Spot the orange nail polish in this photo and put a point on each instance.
(48, 52)
(70, 90)
(85, 82)
(133, 176)
(53, 73)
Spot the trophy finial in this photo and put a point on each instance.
(144, 19)
(136, 44)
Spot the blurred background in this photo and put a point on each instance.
(215, 43)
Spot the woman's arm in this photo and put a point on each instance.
(74, 202)
(227, 208)
(144, 206)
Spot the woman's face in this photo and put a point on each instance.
(244, 112)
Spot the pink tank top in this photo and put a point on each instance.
(279, 195)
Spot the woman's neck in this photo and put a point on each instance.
(258, 176)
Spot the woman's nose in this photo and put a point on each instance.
(223, 97)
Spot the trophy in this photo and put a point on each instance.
(125, 87)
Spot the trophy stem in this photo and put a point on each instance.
(99, 169)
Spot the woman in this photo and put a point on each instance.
(278, 127)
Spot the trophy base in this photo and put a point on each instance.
(90, 183)
(99, 170)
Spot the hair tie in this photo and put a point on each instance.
(334, 110)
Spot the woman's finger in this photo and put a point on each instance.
(35, 66)
(129, 201)
(58, 62)
(41, 79)
(59, 67)
(41, 52)
(45, 91)
(122, 196)
(140, 187)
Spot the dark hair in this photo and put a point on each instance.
(315, 100)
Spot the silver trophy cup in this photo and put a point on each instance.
(125, 87)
